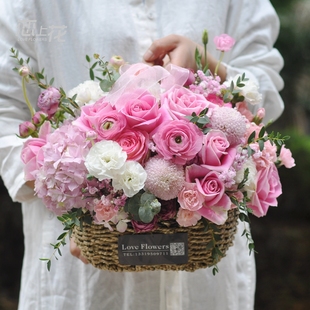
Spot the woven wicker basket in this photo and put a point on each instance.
(100, 245)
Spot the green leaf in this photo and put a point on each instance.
(87, 58)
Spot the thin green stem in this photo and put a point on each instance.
(31, 109)
(219, 62)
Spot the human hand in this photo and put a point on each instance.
(180, 51)
(76, 251)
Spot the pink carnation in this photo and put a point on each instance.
(224, 42)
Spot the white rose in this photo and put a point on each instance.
(105, 159)
(87, 92)
(131, 180)
(250, 183)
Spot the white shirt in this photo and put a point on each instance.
(57, 35)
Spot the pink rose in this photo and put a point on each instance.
(216, 202)
(49, 100)
(180, 102)
(190, 198)
(286, 157)
(135, 144)
(31, 154)
(104, 209)
(187, 218)
(141, 110)
(268, 189)
(216, 152)
(168, 209)
(101, 118)
(178, 141)
(224, 42)
(26, 129)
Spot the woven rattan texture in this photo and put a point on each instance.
(100, 245)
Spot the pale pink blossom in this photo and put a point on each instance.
(49, 100)
(187, 218)
(286, 158)
(105, 209)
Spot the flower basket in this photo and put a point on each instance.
(100, 245)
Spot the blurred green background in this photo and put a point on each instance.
(282, 238)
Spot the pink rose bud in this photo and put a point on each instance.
(191, 78)
(116, 62)
(24, 71)
(38, 118)
(49, 100)
(26, 129)
(224, 42)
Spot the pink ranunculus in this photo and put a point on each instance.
(31, 153)
(224, 42)
(187, 218)
(49, 100)
(181, 102)
(101, 118)
(216, 152)
(141, 110)
(268, 189)
(178, 141)
(190, 198)
(104, 209)
(286, 158)
(135, 144)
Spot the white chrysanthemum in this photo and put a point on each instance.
(131, 179)
(229, 121)
(249, 185)
(105, 159)
(87, 92)
(164, 179)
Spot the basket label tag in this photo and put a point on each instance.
(153, 249)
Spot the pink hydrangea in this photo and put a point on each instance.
(62, 177)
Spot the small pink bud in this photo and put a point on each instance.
(26, 129)
(116, 62)
(190, 79)
(91, 135)
(260, 113)
(39, 117)
(24, 71)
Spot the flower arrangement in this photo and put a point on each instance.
(139, 144)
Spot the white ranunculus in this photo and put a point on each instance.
(131, 180)
(250, 184)
(105, 159)
(87, 92)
